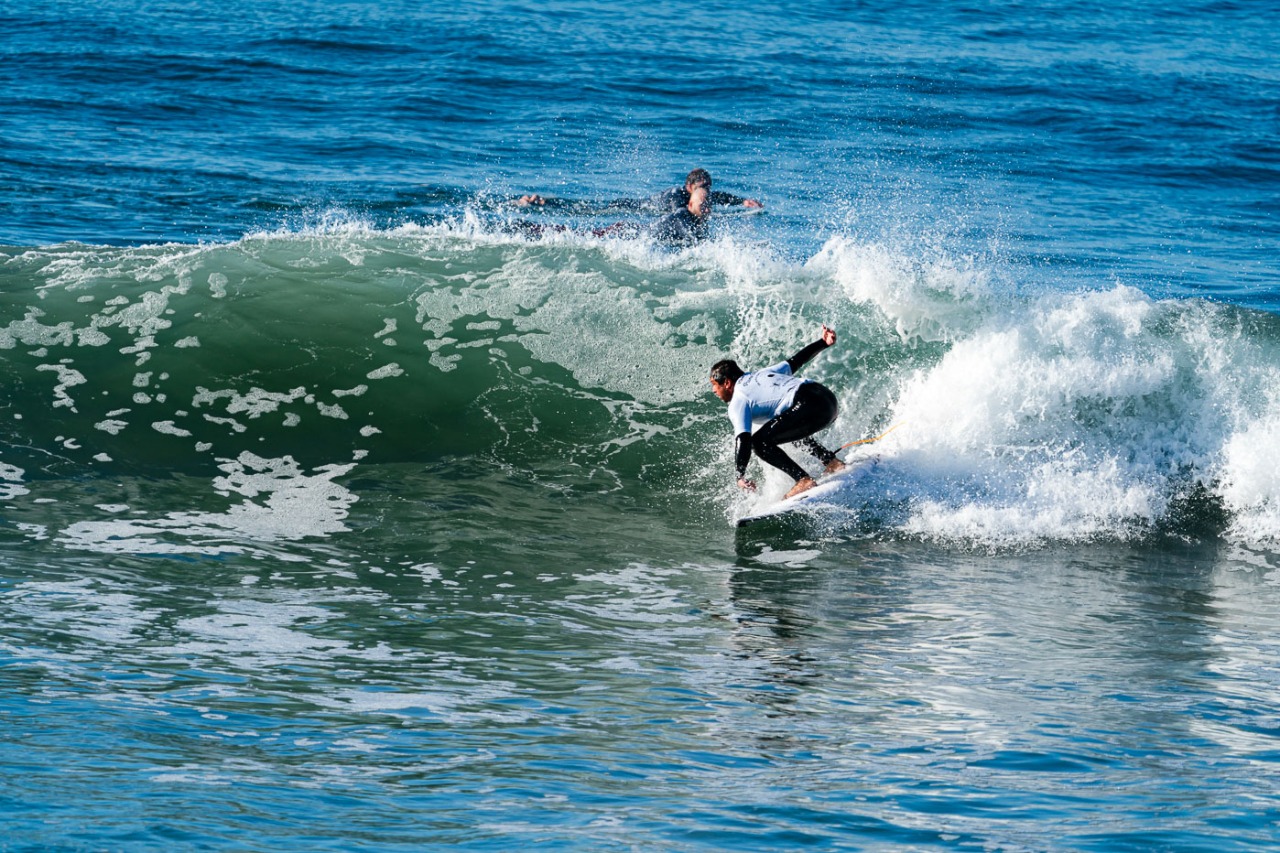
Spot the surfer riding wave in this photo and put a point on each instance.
(789, 409)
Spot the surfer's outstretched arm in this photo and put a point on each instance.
(731, 200)
(803, 357)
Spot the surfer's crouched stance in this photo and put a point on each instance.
(790, 409)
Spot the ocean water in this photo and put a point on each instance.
(338, 512)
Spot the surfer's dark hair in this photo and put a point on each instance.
(698, 178)
(723, 371)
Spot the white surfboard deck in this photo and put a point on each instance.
(818, 495)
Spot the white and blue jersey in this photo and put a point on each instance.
(760, 396)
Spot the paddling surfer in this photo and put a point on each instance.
(688, 210)
(667, 201)
(684, 227)
(688, 224)
(788, 407)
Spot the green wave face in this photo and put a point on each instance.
(338, 348)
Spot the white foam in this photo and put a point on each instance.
(1085, 415)
(1250, 483)
(282, 503)
(11, 487)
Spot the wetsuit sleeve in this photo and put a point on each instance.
(718, 197)
(742, 454)
(802, 358)
(740, 417)
(667, 201)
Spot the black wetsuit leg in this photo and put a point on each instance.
(814, 409)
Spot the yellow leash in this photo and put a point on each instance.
(869, 440)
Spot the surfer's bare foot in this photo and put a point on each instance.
(834, 466)
(804, 484)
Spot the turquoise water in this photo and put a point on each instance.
(336, 514)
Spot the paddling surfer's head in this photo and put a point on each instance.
(698, 178)
(698, 187)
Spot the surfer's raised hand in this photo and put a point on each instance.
(828, 335)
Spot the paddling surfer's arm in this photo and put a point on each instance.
(731, 200)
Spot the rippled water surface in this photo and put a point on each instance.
(838, 694)
(339, 512)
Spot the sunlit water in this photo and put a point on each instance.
(336, 514)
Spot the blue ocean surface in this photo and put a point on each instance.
(347, 503)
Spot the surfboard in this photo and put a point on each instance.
(820, 494)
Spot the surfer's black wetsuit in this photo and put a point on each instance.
(812, 410)
(681, 227)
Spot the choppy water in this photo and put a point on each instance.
(335, 514)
